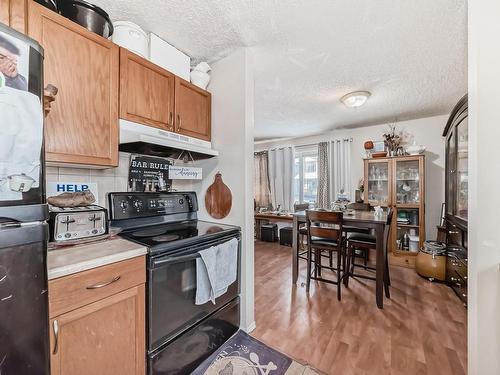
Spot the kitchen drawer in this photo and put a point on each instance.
(71, 292)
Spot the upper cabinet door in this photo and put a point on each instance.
(12, 13)
(192, 110)
(377, 182)
(462, 170)
(146, 92)
(82, 127)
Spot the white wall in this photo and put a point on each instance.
(425, 131)
(232, 87)
(484, 182)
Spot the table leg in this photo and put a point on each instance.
(295, 250)
(379, 233)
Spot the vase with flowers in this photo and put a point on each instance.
(392, 140)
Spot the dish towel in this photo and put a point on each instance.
(216, 270)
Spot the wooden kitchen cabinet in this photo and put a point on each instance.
(146, 92)
(82, 127)
(153, 96)
(193, 108)
(12, 13)
(103, 334)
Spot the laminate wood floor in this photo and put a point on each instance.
(421, 330)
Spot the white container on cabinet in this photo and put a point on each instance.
(168, 57)
(130, 36)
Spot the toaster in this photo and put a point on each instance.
(75, 223)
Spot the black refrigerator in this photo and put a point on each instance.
(24, 336)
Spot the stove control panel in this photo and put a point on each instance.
(135, 205)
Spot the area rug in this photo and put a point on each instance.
(244, 355)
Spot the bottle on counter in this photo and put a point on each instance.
(406, 242)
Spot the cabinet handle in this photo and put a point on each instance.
(179, 122)
(55, 326)
(171, 120)
(97, 286)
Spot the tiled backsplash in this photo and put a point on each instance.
(112, 179)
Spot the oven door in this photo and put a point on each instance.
(172, 291)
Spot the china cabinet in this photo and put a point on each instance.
(399, 183)
(456, 197)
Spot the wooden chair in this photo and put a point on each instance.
(366, 242)
(348, 229)
(324, 233)
(302, 230)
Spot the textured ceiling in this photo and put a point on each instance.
(411, 55)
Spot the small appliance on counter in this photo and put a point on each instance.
(77, 223)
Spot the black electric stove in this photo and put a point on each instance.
(167, 224)
(164, 238)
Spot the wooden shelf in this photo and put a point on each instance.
(408, 226)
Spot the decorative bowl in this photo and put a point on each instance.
(381, 154)
(415, 149)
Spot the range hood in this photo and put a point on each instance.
(146, 140)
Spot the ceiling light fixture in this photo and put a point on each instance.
(355, 99)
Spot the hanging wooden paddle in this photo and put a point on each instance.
(218, 199)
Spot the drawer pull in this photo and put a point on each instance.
(97, 286)
(55, 325)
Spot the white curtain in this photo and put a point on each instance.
(323, 176)
(281, 178)
(341, 168)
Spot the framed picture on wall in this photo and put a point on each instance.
(378, 146)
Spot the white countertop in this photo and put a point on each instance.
(69, 260)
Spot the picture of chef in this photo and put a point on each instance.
(21, 129)
(13, 63)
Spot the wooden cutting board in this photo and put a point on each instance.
(218, 198)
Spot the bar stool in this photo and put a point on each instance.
(366, 242)
(348, 229)
(324, 233)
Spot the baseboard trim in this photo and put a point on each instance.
(251, 327)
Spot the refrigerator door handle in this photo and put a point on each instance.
(55, 325)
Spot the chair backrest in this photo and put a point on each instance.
(359, 206)
(300, 207)
(387, 229)
(324, 224)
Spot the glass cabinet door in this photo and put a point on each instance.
(407, 182)
(450, 173)
(462, 170)
(378, 183)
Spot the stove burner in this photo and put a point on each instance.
(166, 238)
(149, 232)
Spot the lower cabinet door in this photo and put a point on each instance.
(105, 337)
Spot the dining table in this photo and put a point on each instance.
(356, 218)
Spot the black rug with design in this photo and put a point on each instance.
(244, 355)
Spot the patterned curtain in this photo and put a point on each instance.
(261, 181)
(323, 176)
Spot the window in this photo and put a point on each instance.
(305, 175)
